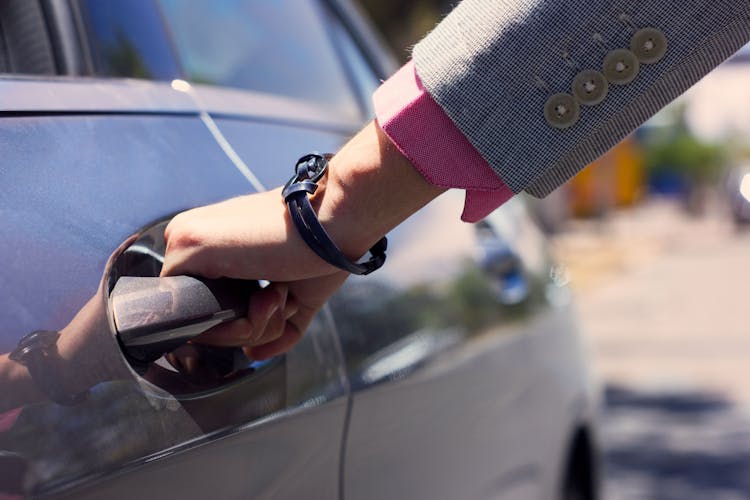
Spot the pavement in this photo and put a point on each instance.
(664, 299)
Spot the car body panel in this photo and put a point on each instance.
(72, 177)
(273, 165)
(82, 186)
(95, 95)
(443, 362)
(294, 455)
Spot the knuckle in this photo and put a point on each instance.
(182, 234)
(246, 336)
(241, 332)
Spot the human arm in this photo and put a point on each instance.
(493, 65)
(370, 188)
(84, 355)
(490, 68)
(18, 387)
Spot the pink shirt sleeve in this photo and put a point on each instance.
(423, 133)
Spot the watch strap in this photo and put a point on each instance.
(37, 351)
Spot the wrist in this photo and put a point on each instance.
(20, 388)
(370, 189)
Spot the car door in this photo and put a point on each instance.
(447, 346)
(441, 347)
(90, 167)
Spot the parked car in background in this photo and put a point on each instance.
(453, 372)
(738, 193)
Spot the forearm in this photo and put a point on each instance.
(18, 386)
(497, 69)
(84, 355)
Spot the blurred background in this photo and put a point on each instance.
(656, 240)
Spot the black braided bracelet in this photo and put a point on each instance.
(307, 172)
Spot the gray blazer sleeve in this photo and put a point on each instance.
(492, 65)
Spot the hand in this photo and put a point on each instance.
(88, 355)
(251, 237)
(369, 189)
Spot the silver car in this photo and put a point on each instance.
(455, 372)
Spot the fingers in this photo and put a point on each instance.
(291, 308)
(294, 327)
(274, 325)
(277, 317)
(289, 337)
(184, 360)
(263, 320)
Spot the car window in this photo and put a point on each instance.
(25, 46)
(127, 39)
(278, 47)
(4, 59)
(360, 71)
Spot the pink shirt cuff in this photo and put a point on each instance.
(423, 133)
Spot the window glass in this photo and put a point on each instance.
(274, 46)
(25, 46)
(360, 70)
(4, 59)
(128, 39)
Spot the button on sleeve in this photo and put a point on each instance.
(621, 66)
(590, 87)
(649, 45)
(562, 111)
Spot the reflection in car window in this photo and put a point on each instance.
(128, 39)
(360, 70)
(278, 47)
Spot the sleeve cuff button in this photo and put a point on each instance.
(590, 87)
(562, 111)
(649, 45)
(621, 66)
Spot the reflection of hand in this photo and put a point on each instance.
(88, 352)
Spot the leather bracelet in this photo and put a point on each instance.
(307, 172)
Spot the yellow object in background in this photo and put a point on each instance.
(616, 179)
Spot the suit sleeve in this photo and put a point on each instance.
(537, 89)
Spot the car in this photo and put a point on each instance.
(455, 371)
(737, 185)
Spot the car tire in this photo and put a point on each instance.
(580, 480)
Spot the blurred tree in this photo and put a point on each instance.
(674, 152)
(123, 59)
(404, 23)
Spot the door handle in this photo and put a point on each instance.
(502, 265)
(154, 316)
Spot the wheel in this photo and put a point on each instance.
(580, 481)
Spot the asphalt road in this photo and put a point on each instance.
(665, 302)
(674, 445)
